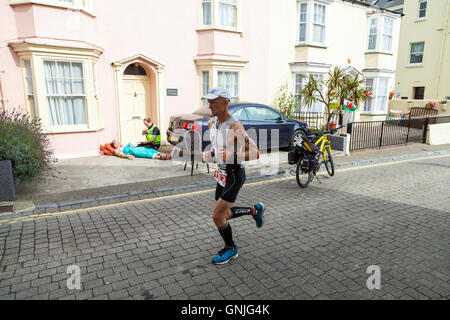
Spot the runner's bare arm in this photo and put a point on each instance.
(251, 149)
(207, 155)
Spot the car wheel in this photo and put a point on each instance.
(296, 138)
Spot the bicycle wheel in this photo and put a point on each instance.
(329, 164)
(303, 178)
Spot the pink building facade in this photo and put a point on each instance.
(92, 70)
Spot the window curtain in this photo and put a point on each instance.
(227, 13)
(382, 95)
(388, 29)
(206, 12)
(30, 88)
(65, 93)
(373, 34)
(230, 81)
(205, 86)
(319, 23)
(299, 80)
(303, 21)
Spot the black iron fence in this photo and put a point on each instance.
(377, 134)
(315, 120)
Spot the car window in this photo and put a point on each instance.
(262, 114)
(240, 114)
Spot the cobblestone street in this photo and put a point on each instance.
(317, 243)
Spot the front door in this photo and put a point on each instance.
(135, 109)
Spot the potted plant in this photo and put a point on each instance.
(391, 95)
(443, 105)
(430, 105)
(7, 191)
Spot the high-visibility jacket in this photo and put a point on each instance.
(151, 133)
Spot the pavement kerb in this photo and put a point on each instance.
(284, 170)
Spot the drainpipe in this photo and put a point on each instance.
(441, 58)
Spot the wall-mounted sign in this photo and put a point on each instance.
(172, 92)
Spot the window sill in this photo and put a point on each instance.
(212, 28)
(373, 114)
(51, 3)
(75, 129)
(420, 20)
(415, 65)
(301, 45)
(379, 52)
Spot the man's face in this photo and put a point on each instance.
(218, 105)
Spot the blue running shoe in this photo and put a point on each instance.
(259, 216)
(225, 255)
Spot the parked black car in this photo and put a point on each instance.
(252, 116)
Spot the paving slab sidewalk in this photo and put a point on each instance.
(100, 180)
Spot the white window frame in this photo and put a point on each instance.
(300, 22)
(37, 59)
(380, 35)
(30, 87)
(310, 22)
(305, 78)
(371, 99)
(370, 33)
(202, 84)
(82, 5)
(377, 95)
(300, 85)
(410, 54)
(215, 16)
(385, 35)
(321, 24)
(211, 12)
(238, 84)
(79, 95)
(419, 10)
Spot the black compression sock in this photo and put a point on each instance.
(227, 235)
(239, 212)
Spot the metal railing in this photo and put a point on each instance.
(315, 120)
(394, 131)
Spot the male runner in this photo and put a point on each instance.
(231, 144)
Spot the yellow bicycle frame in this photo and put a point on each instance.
(324, 144)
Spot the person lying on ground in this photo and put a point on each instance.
(114, 148)
(141, 152)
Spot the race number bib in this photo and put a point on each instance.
(221, 177)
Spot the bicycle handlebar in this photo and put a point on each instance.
(332, 131)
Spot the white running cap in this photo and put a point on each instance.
(218, 92)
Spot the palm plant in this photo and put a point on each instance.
(339, 88)
(353, 90)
